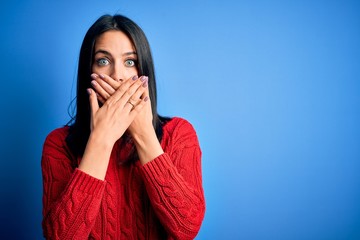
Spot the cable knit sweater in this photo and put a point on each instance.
(162, 199)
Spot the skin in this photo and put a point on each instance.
(115, 84)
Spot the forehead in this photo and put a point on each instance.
(114, 41)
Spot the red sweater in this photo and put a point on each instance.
(162, 199)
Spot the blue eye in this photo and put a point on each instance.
(102, 62)
(130, 63)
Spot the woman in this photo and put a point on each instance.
(120, 171)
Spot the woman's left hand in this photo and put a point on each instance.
(106, 86)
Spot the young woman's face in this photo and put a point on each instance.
(115, 55)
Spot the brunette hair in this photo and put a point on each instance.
(79, 130)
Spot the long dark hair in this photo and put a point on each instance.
(80, 125)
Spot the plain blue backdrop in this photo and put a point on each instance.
(272, 88)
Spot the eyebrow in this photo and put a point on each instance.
(107, 53)
(129, 53)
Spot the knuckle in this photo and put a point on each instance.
(108, 103)
(123, 88)
(130, 92)
(116, 85)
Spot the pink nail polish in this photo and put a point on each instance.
(94, 76)
(146, 99)
(93, 82)
(144, 78)
(89, 91)
(134, 77)
(101, 76)
(145, 84)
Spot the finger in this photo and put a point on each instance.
(100, 98)
(105, 86)
(129, 106)
(100, 90)
(94, 105)
(135, 91)
(110, 82)
(139, 107)
(125, 91)
(138, 101)
(140, 93)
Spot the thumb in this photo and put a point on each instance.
(94, 105)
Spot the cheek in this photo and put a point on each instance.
(94, 68)
(132, 71)
(129, 73)
(98, 70)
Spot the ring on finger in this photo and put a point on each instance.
(133, 105)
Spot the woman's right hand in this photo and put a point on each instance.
(110, 121)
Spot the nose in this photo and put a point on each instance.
(117, 72)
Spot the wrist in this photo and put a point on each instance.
(144, 135)
(147, 145)
(100, 140)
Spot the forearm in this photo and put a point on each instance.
(173, 181)
(96, 157)
(179, 203)
(73, 215)
(71, 198)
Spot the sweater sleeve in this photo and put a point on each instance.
(71, 198)
(174, 183)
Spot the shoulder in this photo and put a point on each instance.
(180, 131)
(176, 124)
(56, 138)
(57, 161)
(58, 135)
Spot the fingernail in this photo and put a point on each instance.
(89, 91)
(143, 78)
(145, 83)
(101, 76)
(145, 99)
(134, 77)
(94, 76)
(93, 82)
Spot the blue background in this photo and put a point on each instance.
(272, 88)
